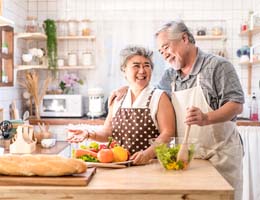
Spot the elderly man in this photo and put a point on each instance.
(207, 95)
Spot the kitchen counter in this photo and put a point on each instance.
(100, 121)
(200, 182)
(59, 147)
(66, 121)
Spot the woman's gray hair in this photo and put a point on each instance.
(175, 29)
(130, 51)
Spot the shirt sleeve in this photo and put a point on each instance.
(165, 82)
(227, 84)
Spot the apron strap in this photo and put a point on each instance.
(198, 79)
(149, 99)
(122, 101)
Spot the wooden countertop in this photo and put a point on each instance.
(100, 121)
(200, 182)
(66, 121)
(59, 147)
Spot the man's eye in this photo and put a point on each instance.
(147, 66)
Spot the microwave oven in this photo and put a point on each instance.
(62, 105)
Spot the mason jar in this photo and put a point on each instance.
(72, 59)
(62, 28)
(85, 27)
(73, 27)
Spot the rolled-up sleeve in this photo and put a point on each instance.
(228, 84)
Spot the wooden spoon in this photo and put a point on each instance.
(183, 153)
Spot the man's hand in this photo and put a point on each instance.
(117, 95)
(196, 116)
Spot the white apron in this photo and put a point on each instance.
(219, 143)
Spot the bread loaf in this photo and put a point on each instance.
(40, 165)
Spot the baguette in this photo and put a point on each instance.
(40, 165)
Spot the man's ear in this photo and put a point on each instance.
(185, 37)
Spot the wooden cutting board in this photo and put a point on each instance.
(74, 180)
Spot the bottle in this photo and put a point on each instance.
(254, 109)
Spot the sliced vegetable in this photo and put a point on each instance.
(81, 152)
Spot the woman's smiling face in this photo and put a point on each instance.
(138, 72)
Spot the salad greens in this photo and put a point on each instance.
(168, 156)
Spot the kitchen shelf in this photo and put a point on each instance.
(4, 21)
(247, 63)
(248, 32)
(42, 36)
(31, 36)
(27, 67)
(91, 37)
(210, 37)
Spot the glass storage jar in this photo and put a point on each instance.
(31, 25)
(87, 58)
(72, 59)
(85, 27)
(62, 29)
(73, 27)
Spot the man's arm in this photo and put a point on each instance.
(225, 113)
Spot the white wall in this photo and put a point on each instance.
(104, 13)
(141, 18)
(15, 10)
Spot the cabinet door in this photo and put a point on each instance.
(6, 56)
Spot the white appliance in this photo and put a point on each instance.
(96, 102)
(62, 105)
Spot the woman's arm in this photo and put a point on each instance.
(166, 121)
(101, 135)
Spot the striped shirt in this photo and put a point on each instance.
(218, 79)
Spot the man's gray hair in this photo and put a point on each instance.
(175, 29)
(130, 51)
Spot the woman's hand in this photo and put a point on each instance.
(77, 136)
(140, 158)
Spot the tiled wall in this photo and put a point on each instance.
(140, 17)
(135, 21)
(15, 10)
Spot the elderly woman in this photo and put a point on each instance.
(143, 113)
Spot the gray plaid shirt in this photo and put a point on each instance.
(218, 79)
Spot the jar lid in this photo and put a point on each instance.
(31, 18)
(95, 91)
(61, 21)
(73, 20)
(86, 20)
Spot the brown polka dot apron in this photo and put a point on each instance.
(133, 127)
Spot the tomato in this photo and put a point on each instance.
(105, 155)
(102, 146)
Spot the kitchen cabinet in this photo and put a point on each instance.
(200, 182)
(6, 56)
(42, 37)
(249, 34)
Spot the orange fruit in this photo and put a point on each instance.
(105, 155)
(120, 154)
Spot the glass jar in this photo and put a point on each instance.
(85, 27)
(72, 59)
(31, 25)
(62, 29)
(87, 58)
(73, 27)
(201, 31)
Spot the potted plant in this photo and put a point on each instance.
(50, 31)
